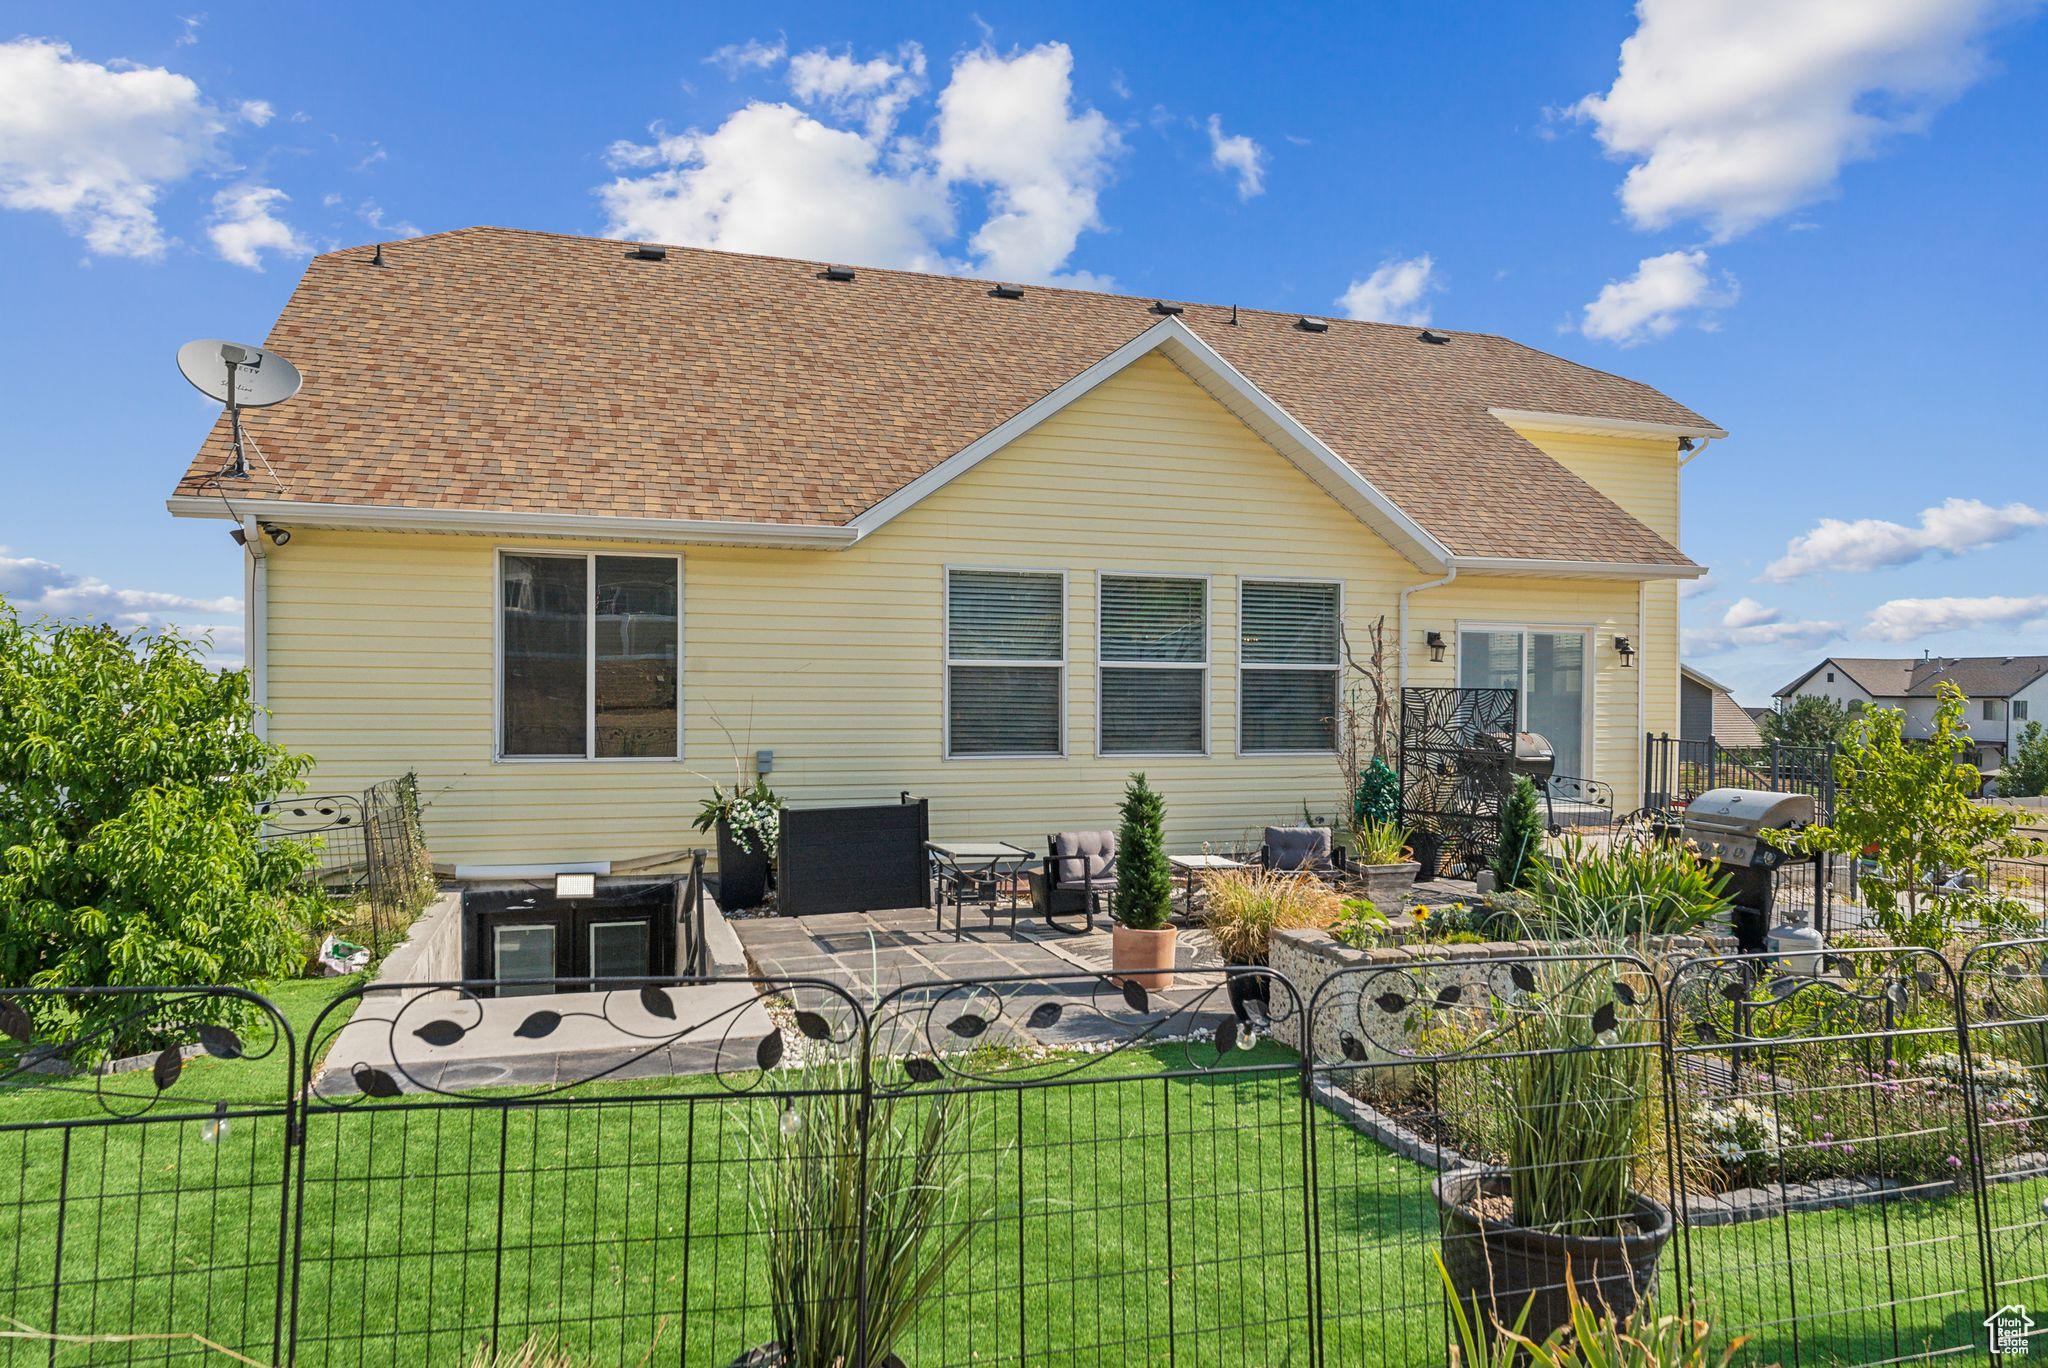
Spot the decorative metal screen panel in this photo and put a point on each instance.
(1457, 754)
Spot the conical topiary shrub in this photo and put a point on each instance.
(1521, 836)
(1144, 881)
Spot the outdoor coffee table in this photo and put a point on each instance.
(976, 869)
(1191, 865)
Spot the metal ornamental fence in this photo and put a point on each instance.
(1846, 1165)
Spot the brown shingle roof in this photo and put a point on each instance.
(1976, 676)
(492, 369)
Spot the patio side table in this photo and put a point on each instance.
(1191, 865)
(975, 870)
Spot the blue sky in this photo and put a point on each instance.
(1817, 223)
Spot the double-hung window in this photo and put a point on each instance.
(1006, 662)
(589, 656)
(1153, 644)
(1288, 661)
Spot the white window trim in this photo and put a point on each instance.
(946, 662)
(589, 756)
(1589, 731)
(1208, 658)
(1336, 670)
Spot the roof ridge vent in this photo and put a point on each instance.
(1433, 337)
(647, 251)
(1170, 310)
(1314, 325)
(836, 273)
(1007, 292)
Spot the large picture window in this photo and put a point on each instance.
(1006, 655)
(1288, 661)
(589, 656)
(1153, 646)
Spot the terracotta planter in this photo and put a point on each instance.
(1143, 957)
(1388, 884)
(1505, 1265)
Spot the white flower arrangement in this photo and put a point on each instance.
(2002, 1084)
(1743, 1135)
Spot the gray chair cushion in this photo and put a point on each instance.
(1082, 857)
(1297, 847)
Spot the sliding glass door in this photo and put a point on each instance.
(1548, 666)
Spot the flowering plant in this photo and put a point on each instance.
(1746, 1138)
(753, 815)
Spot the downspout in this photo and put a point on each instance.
(255, 624)
(1642, 747)
(1416, 589)
(1699, 445)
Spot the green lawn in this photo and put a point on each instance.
(1132, 1213)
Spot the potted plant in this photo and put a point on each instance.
(808, 1185)
(1574, 1082)
(749, 824)
(1382, 859)
(1243, 909)
(1143, 941)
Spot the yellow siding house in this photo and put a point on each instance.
(579, 528)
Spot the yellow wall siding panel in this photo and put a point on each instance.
(381, 647)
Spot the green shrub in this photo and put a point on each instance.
(1144, 881)
(1630, 888)
(1381, 843)
(1521, 836)
(2026, 774)
(1379, 795)
(130, 786)
(1246, 906)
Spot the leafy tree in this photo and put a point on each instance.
(1521, 836)
(1808, 720)
(1907, 806)
(130, 842)
(1144, 881)
(2026, 771)
(1379, 795)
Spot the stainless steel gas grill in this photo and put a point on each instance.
(1535, 757)
(1727, 826)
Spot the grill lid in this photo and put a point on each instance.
(1747, 812)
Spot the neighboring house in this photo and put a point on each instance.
(571, 528)
(2005, 693)
(1707, 711)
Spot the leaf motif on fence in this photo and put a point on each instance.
(220, 1042)
(967, 1025)
(655, 1002)
(1226, 1035)
(1135, 996)
(813, 1026)
(1043, 1015)
(921, 1070)
(1353, 1049)
(539, 1024)
(373, 1082)
(1450, 995)
(1524, 977)
(1605, 1019)
(1390, 1002)
(769, 1053)
(168, 1066)
(442, 1032)
(1624, 990)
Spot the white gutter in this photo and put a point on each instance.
(1576, 569)
(1699, 446)
(1403, 623)
(256, 623)
(486, 522)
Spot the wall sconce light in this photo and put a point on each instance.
(278, 535)
(1435, 642)
(1628, 651)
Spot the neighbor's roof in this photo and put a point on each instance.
(1976, 676)
(1733, 724)
(495, 370)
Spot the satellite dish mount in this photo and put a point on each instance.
(240, 377)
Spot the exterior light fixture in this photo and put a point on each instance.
(278, 535)
(1435, 642)
(575, 886)
(1627, 649)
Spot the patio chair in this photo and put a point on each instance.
(1302, 850)
(1080, 867)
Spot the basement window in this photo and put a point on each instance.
(589, 657)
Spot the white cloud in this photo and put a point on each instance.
(96, 145)
(257, 112)
(1394, 293)
(190, 30)
(1952, 528)
(1740, 110)
(245, 225)
(1694, 588)
(372, 213)
(1008, 124)
(1747, 624)
(773, 178)
(1909, 618)
(1663, 292)
(40, 588)
(876, 91)
(1237, 155)
(752, 55)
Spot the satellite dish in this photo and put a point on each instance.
(240, 377)
(230, 373)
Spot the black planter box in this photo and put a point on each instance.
(853, 859)
(742, 874)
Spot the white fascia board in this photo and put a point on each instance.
(490, 522)
(1222, 380)
(1576, 569)
(1606, 427)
